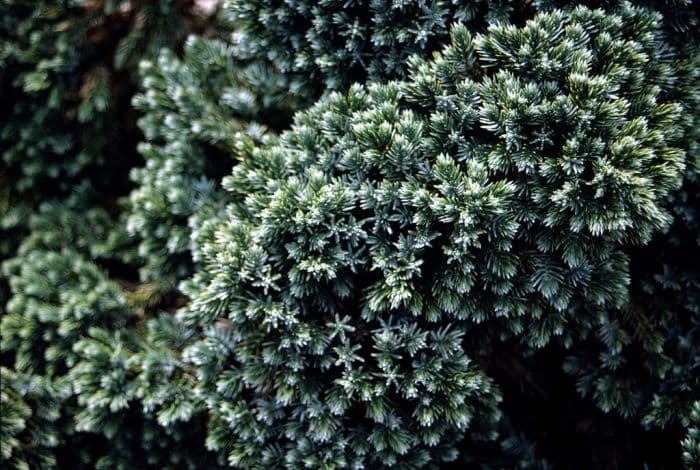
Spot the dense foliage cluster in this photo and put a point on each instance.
(63, 65)
(67, 72)
(30, 408)
(691, 444)
(487, 188)
(67, 329)
(195, 110)
(337, 43)
(356, 234)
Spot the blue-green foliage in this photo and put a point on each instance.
(38, 47)
(691, 442)
(328, 44)
(59, 295)
(28, 432)
(680, 18)
(55, 60)
(644, 361)
(58, 290)
(66, 73)
(67, 70)
(125, 401)
(497, 186)
(136, 396)
(196, 109)
(395, 281)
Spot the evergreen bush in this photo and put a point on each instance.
(490, 196)
(67, 73)
(195, 110)
(110, 398)
(195, 107)
(334, 44)
(65, 65)
(357, 234)
(30, 408)
(691, 443)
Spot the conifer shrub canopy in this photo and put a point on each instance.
(87, 391)
(282, 54)
(642, 360)
(60, 294)
(337, 43)
(28, 433)
(65, 66)
(131, 393)
(195, 108)
(497, 185)
(691, 443)
(67, 73)
(679, 16)
(265, 62)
